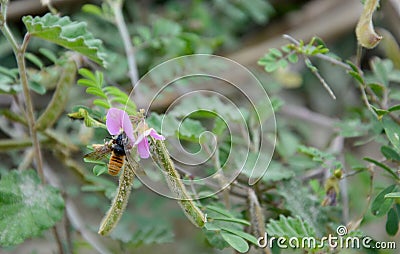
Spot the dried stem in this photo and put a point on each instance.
(129, 50)
(19, 52)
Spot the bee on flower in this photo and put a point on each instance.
(118, 121)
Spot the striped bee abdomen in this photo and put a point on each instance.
(116, 163)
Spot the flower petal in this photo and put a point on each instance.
(139, 139)
(114, 120)
(143, 149)
(155, 135)
(127, 126)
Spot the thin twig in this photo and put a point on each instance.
(321, 56)
(322, 80)
(58, 240)
(314, 70)
(67, 228)
(126, 39)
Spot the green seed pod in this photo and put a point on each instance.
(366, 35)
(120, 201)
(191, 210)
(60, 96)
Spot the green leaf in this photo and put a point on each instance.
(287, 143)
(319, 156)
(89, 75)
(283, 63)
(288, 227)
(215, 239)
(100, 169)
(191, 129)
(301, 203)
(353, 128)
(149, 235)
(48, 54)
(220, 210)
(275, 52)
(242, 234)
(390, 153)
(277, 172)
(92, 9)
(11, 73)
(392, 222)
(163, 124)
(236, 220)
(352, 65)
(392, 131)
(271, 66)
(66, 33)
(36, 87)
(101, 103)
(381, 69)
(310, 65)
(383, 166)
(27, 208)
(356, 76)
(235, 242)
(377, 88)
(34, 59)
(378, 111)
(293, 58)
(96, 91)
(394, 195)
(381, 205)
(394, 108)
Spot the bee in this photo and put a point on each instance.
(116, 146)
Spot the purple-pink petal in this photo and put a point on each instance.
(155, 135)
(143, 149)
(117, 120)
(140, 139)
(127, 127)
(113, 120)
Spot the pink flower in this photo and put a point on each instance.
(142, 143)
(117, 121)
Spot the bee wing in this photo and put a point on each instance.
(134, 165)
(99, 153)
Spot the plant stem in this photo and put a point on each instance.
(19, 52)
(126, 39)
(58, 240)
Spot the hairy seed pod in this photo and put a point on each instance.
(191, 210)
(60, 96)
(120, 201)
(366, 35)
(256, 215)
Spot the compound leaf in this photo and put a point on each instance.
(66, 33)
(290, 227)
